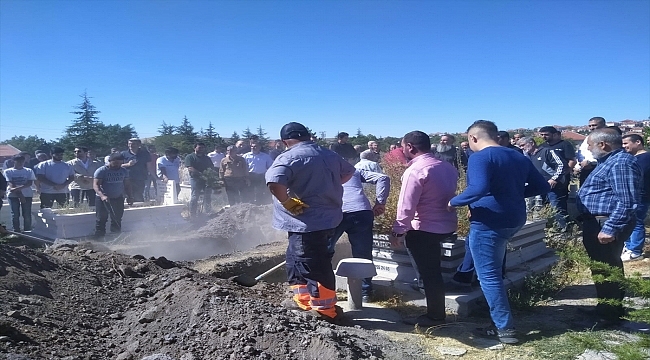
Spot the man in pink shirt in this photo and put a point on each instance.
(427, 186)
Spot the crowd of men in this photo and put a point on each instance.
(318, 194)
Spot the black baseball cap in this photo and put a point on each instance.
(293, 130)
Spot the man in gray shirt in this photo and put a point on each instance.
(306, 181)
(54, 177)
(358, 217)
(111, 182)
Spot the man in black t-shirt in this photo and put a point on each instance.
(197, 163)
(135, 161)
(343, 148)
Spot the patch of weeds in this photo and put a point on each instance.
(571, 344)
(536, 288)
(397, 303)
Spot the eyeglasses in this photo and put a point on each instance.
(78, 151)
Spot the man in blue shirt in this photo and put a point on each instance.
(111, 182)
(498, 181)
(306, 180)
(258, 162)
(634, 144)
(607, 202)
(359, 216)
(54, 177)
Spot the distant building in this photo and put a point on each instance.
(7, 152)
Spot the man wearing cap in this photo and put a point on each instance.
(111, 182)
(234, 173)
(84, 169)
(135, 161)
(306, 181)
(54, 176)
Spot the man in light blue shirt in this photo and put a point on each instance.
(20, 179)
(306, 180)
(167, 167)
(358, 217)
(258, 162)
(54, 177)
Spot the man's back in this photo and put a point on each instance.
(496, 187)
(312, 174)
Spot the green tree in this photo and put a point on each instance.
(186, 137)
(209, 136)
(262, 138)
(30, 143)
(84, 130)
(247, 134)
(166, 129)
(114, 136)
(234, 138)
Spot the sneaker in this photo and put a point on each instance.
(424, 321)
(366, 298)
(506, 336)
(630, 256)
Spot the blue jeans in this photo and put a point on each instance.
(16, 208)
(637, 238)
(358, 226)
(465, 271)
(557, 197)
(488, 250)
(198, 187)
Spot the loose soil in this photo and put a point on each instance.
(86, 301)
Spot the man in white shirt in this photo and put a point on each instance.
(217, 155)
(258, 162)
(367, 163)
(586, 161)
(167, 167)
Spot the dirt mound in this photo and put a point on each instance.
(79, 303)
(237, 228)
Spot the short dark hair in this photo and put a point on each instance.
(171, 150)
(548, 129)
(23, 153)
(82, 148)
(503, 135)
(18, 158)
(598, 119)
(342, 134)
(634, 138)
(57, 150)
(485, 127)
(418, 140)
(616, 128)
(199, 144)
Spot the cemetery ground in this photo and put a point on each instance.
(87, 301)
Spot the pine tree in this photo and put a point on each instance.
(234, 138)
(166, 129)
(262, 139)
(186, 131)
(210, 136)
(247, 134)
(85, 127)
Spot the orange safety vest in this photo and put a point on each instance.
(323, 304)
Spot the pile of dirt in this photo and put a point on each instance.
(78, 302)
(237, 228)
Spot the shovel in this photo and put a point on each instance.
(26, 236)
(247, 280)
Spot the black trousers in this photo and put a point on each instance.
(425, 248)
(137, 185)
(236, 189)
(103, 211)
(47, 200)
(609, 254)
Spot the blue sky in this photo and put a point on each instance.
(386, 67)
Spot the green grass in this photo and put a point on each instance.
(571, 344)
